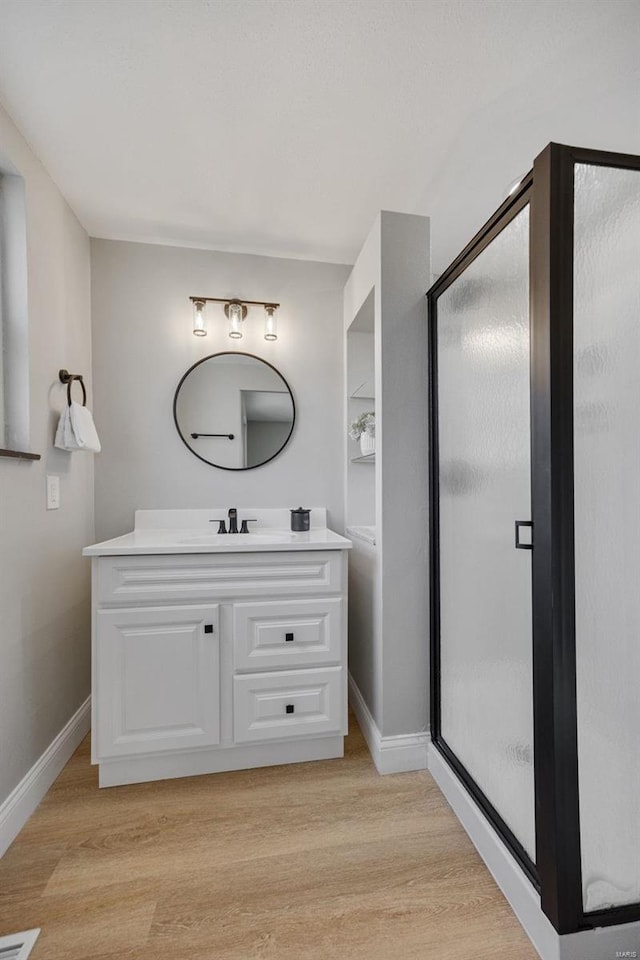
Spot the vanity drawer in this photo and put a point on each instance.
(194, 577)
(296, 703)
(298, 633)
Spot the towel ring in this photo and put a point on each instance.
(68, 378)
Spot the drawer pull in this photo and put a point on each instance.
(290, 708)
(288, 637)
(208, 628)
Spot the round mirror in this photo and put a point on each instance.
(234, 411)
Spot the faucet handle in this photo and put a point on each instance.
(221, 525)
(244, 528)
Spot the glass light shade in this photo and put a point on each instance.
(235, 320)
(270, 323)
(199, 321)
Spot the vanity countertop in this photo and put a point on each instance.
(189, 531)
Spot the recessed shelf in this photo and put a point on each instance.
(366, 533)
(368, 458)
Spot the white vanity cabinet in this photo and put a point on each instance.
(211, 661)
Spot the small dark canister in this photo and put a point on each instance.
(300, 519)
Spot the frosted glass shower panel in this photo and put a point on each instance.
(607, 529)
(484, 473)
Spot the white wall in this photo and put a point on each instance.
(44, 582)
(403, 506)
(142, 344)
(388, 584)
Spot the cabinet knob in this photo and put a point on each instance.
(288, 637)
(208, 628)
(290, 708)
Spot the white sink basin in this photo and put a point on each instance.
(227, 539)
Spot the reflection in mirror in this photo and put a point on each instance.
(234, 411)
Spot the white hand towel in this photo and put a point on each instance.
(76, 430)
(83, 427)
(65, 439)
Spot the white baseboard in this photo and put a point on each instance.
(605, 943)
(21, 802)
(397, 754)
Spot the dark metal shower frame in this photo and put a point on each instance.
(557, 873)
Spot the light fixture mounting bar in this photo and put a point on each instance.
(252, 303)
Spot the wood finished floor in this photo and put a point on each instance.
(308, 862)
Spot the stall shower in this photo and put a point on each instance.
(535, 536)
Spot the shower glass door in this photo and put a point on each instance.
(606, 339)
(481, 475)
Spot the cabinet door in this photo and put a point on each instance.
(158, 679)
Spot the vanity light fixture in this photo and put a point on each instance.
(270, 322)
(199, 321)
(235, 311)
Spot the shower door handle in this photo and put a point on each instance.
(519, 544)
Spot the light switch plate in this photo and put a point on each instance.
(53, 492)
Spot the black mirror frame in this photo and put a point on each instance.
(232, 353)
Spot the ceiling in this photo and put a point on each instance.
(281, 127)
